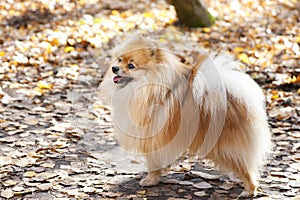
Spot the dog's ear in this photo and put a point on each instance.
(182, 59)
(156, 53)
(131, 43)
(153, 51)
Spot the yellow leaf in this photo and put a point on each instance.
(258, 46)
(275, 96)
(44, 85)
(298, 38)
(206, 43)
(238, 49)
(2, 53)
(292, 80)
(69, 49)
(82, 2)
(162, 40)
(115, 12)
(244, 58)
(148, 14)
(33, 38)
(206, 30)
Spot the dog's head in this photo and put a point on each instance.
(133, 59)
(140, 58)
(135, 64)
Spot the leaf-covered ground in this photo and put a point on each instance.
(57, 142)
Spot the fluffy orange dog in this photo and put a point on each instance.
(164, 108)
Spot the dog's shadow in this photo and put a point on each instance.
(199, 182)
(182, 185)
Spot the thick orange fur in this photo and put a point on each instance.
(164, 108)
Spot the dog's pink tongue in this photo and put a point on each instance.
(117, 79)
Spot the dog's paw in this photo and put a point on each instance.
(246, 194)
(150, 180)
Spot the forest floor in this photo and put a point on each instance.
(57, 143)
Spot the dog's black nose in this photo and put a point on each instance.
(115, 69)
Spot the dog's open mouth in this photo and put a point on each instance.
(122, 79)
(117, 79)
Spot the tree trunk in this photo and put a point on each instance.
(193, 13)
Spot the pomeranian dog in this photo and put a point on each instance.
(164, 107)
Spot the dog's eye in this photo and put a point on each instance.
(131, 66)
(120, 60)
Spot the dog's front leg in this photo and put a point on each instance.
(151, 179)
(154, 166)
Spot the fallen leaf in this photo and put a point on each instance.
(31, 121)
(206, 175)
(202, 185)
(45, 176)
(69, 49)
(29, 174)
(171, 181)
(48, 165)
(115, 12)
(141, 192)
(44, 85)
(44, 186)
(238, 50)
(26, 161)
(244, 58)
(18, 188)
(88, 189)
(5, 160)
(10, 183)
(200, 194)
(206, 29)
(227, 186)
(152, 194)
(7, 193)
(185, 183)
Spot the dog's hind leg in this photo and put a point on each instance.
(249, 180)
(241, 169)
